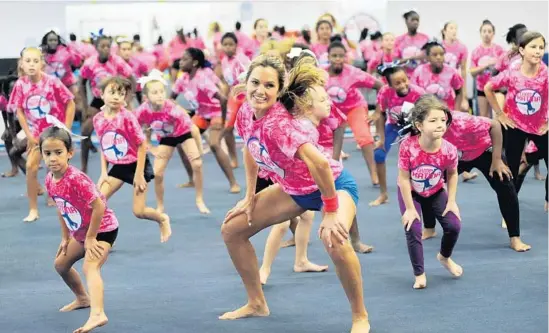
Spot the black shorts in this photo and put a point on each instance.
(533, 158)
(126, 172)
(139, 96)
(109, 236)
(175, 141)
(480, 93)
(262, 184)
(97, 103)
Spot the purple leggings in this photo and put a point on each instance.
(450, 224)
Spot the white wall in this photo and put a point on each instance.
(469, 16)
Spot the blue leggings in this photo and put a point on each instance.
(391, 133)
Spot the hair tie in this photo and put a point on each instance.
(100, 33)
(154, 75)
(57, 123)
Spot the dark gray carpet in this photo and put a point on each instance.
(184, 285)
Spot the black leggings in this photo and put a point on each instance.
(505, 191)
(514, 142)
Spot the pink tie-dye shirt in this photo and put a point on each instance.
(59, 64)
(96, 72)
(233, 67)
(343, 88)
(170, 121)
(481, 56)
(73, 195)
(407, 46)
(274, 140)
(470, 134)
(119, 137)
(37, 100)
(391, 103)
(381, 58)
(526, 99)
(443, 84)
(139, 69)
(147, 58)
(426, 169)
(504, 62)
(455, 53)
(176, 48)
(199, 91)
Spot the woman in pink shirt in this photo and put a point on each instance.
(456, 57)
(342, 86)
(123, 146)
(423, 159)
(88, 227)
(35, 97)
(409, 46)
(198, 85)
(483, 59)
(438, 78)
(281, 140)
(524, 115)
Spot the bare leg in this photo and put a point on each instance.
(484, 107)
(358, 246)
(141, 211)
(222, 157)
(63, 266)
(87, 130)
(187, 165)
(231, 147)
(160, 163)
(33, 186)
(191, 150)
(92, 271)
(302, 235)
(383, 198)
(272, 246)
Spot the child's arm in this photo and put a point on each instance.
(411, 214)
(498, 166)
(93, 249)
(339, 135)
(69, 113)
(139, 178)
(380, 127)
(65, 236)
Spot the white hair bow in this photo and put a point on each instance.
(154, 75)
(124, 39)
(57, 123)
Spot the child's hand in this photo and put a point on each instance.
(139, 183)
(63, 247)
(452, 206)
(102, 180)
(94, 250)
(408, 218)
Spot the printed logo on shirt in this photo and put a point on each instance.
(70, 214)
(100, 74)
(190, 97)
(451, 59)
(161, 129)
(38, 106)
(436, 89)
(528, 101)
(411, 51)
(228, 76)
(337, 94)
(114, 145)
(424, 177)
(262, 158)
(55, 68)
(485, 60)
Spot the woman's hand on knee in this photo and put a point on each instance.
(332, 226)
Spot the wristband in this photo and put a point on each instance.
(330, 204)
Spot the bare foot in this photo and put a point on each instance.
(234, 164)
(288, 243)
(186, 185)
(344, 155)
(264, 275)
(247, 311)
(503, 224)
(361, 326)
(10, 174)
(382, 199)
(165, 228)
(41, 192)
(235, 188)
(93, 322)
(467, 176)
(539, 176)
(202, 207)
(454, 269)
(421, 282)
(76, 304)
(360, 247)
(428, 233)
(309, 267)
(33, 216)
(518, 245)
(50, 202)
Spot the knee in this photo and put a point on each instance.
(339, 252)
(380, 156)
(90, 267)
(196, 164)
(454, 227)
(61, 267)
(228, 232)
(139, 212)
(281, 228)
(158, 176)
